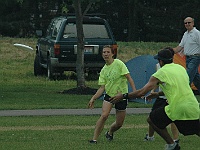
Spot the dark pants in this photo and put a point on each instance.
(186, 127)
(192, 64)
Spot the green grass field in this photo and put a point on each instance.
(20, 89)
(73, 133)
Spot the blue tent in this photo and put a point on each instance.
(141, 68)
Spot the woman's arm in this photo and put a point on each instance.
(130, 80)
(95, 96)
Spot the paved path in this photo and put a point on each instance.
(49, 112)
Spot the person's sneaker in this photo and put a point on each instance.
(109, 137)
(177, 141)
(172, 147)
(92, 141)
(147, 138)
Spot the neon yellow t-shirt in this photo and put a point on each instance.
(183, 105)
(112, 76)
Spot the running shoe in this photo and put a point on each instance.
(147, 138)
(109, 137)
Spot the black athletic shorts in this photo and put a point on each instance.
(159, 102)
(185, 127)
(120, 105)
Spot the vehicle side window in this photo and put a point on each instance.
(70, 31)
(56, 28)
(90, 31)
(50, 28)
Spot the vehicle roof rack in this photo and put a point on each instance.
(89, 15)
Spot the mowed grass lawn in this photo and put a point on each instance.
(73, 133)
(20, 89)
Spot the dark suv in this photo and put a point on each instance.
(57, 51)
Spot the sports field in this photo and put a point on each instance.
(20, 89)
(73, 133)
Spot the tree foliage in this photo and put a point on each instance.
(132, 20)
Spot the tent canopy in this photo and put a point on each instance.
(141, 68)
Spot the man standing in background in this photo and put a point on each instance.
(190, 42)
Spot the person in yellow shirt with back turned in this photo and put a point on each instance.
(183, 107)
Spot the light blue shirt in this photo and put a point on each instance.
(191, 42)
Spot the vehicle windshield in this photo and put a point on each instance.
(90, 31)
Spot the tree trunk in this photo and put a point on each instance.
(80, 45)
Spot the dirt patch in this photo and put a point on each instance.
(80, 91)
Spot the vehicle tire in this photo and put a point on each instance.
(50, 70)
(38, 69)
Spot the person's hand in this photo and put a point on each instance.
(152, 95)
(116, 98)
(91, 104)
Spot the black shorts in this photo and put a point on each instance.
(120, 105)
(160, 102)
(185, 127)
